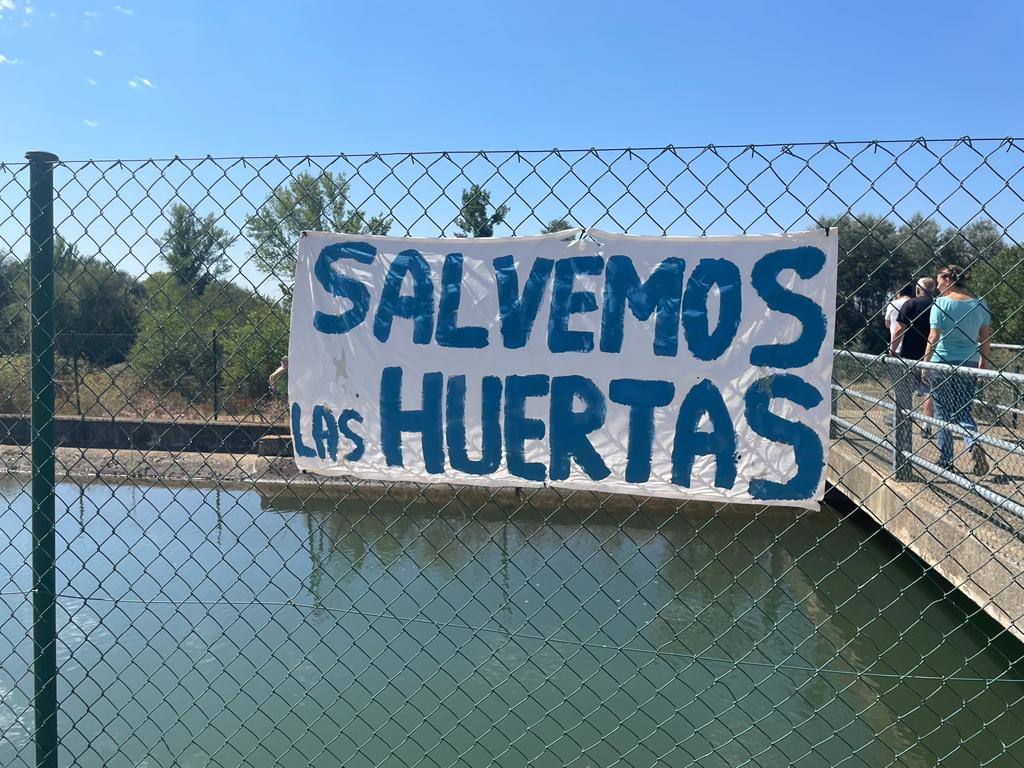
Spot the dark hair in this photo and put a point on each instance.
(908, 291)
(957, 275)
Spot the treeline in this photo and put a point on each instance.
(878, 256)
(199, 322)
(160, 334)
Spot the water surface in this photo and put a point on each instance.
(208, 627)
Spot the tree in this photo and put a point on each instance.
(978, 241)
(473, 220)
(175, 345)
(556, 225)
(13, 306)
(95, 306)
(309, 203)
(871, 266)
(96, 310)
(195, 248)
(1000, 281)
(64, 253)
(876, 258)
(254, 349)
(928, 247)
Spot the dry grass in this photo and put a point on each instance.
(117, 392)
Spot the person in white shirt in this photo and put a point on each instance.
(892, 310)
(890, 318)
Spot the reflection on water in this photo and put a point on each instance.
(218, 628)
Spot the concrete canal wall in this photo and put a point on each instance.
(977, 549)
(145, 435)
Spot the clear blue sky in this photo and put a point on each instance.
(189, 77)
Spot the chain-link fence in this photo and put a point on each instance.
(208, 606)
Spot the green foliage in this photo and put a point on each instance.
(195, 248)
(175, 346)
(185, 339)
(65, 253)
(253, 350)
(877, 257)
(308, 203)
(1000, 280)
(556, 225)
(927, 247)
(15, 384)
(96, 306)
(473, 220)
(871, 263)
(13, 310)
(96, 312)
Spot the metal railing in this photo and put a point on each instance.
(898, 426)
(175, 593)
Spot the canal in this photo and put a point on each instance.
(213, 627)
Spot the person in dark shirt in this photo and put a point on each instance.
(910, 337)
(912, 329)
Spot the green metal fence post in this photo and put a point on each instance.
(44, 607)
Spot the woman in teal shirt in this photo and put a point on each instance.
(959, 337)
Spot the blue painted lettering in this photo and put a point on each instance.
(660, 293)
(490, 420)
(426, 421)
(519, 429)
(642, 397)
(569, 428)
(346, 287)
(518, 313)
(807, 448)
(806, 262)
(565, 302)
(325, 433)
(690, 442)
(300, 448)
(358, 446)
(449, 334)
(419, 307)
(703, 344)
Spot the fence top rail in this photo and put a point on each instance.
(1016, 347)
(985, 373)
(1009, 141)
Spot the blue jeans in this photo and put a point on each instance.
(953, 394)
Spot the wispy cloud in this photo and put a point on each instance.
(125, 11)
(29, 9)
(5, 60)
(135, 82)
(90, 14)
(98, 53)
(90, 81)
(90, 123)
(6, 5)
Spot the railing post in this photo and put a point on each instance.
(74, 367)
(1016, 397)
(833, 428)
(44, 599)
(903, 429)
(216, 378)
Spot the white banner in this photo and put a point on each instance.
(679, 367)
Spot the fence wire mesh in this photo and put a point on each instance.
(216, 608)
